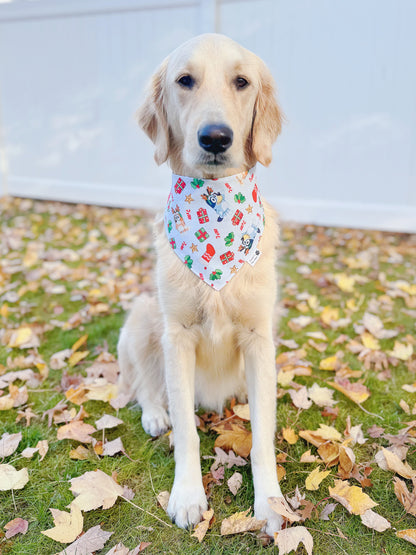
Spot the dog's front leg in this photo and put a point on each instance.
(187, 500)
(259, 357)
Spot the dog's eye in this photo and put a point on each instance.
(241, 83)
(186, 81)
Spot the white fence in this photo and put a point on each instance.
(72, 74)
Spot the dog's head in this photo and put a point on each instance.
(211, 109)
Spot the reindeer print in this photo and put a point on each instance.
(179, 221)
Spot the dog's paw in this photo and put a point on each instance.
(187, 504)
(263, 511)
(155, 420)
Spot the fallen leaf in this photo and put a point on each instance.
(16, 526)
(280, 506)
(376, 328)
(300, 398)
(290, 435)
(9, 443)
(375, 521)
(329, 363)
(101, 390)
(240, 522)
(406, 498)
(77, 357)
(327, 510)
(10, 478)
(67, 527)
(307, 457)
(78, 430)
(110, 448)
(369, 341)
(81, 341)
(95, 489)
(93, 540)
(401, 351)
(163, 499)
(202, 528)
(234, 483)
(289, 539)
(357, 392)
(393, 463)
(242, 411)
(81, 453)
(234, 437)
(314, 479)
(321, 396)
(42, 446)
(107, 421)
(351, 497)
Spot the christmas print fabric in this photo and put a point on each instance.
(214, 225)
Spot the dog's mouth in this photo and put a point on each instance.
(214, 160)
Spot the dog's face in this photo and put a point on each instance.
(211, 109)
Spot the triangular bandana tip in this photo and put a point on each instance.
(214, 225)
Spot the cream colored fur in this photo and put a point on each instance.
(191, 345)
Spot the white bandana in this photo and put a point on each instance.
(214, 225)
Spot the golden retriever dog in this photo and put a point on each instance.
(211, 112)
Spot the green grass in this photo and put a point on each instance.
(100, 260)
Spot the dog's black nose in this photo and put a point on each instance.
(215, 138)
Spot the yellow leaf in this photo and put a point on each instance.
(80, 342)
(6, 402)
(20, 337)
(95, 489)
(77, 357)
(10, 478)
(344, 282)
(396, 465)
(408, 535)
(102, 391)
(234, 437)
(401, 351)
(351, 497)
(240, 522)
(67, 525)
(357, 392)
(4, 310)
(328, 432)
(369, 341)
(284, 378)
(201, 529)
(329, 315)
(81, 453)
(315, 478)
(289, 435)
(77, 396)
(281, 471)
(329, 363)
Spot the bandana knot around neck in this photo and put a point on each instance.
(214, 225)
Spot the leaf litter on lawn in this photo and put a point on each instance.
(347, 328)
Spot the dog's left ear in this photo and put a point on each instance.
(267, 118)
(152, 118)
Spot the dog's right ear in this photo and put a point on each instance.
(152, 117)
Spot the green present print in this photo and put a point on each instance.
(229, 240)
(201, 235)
(216, 274)
(197, 183)
(239, 198)
(188, 261)
(169, 226)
